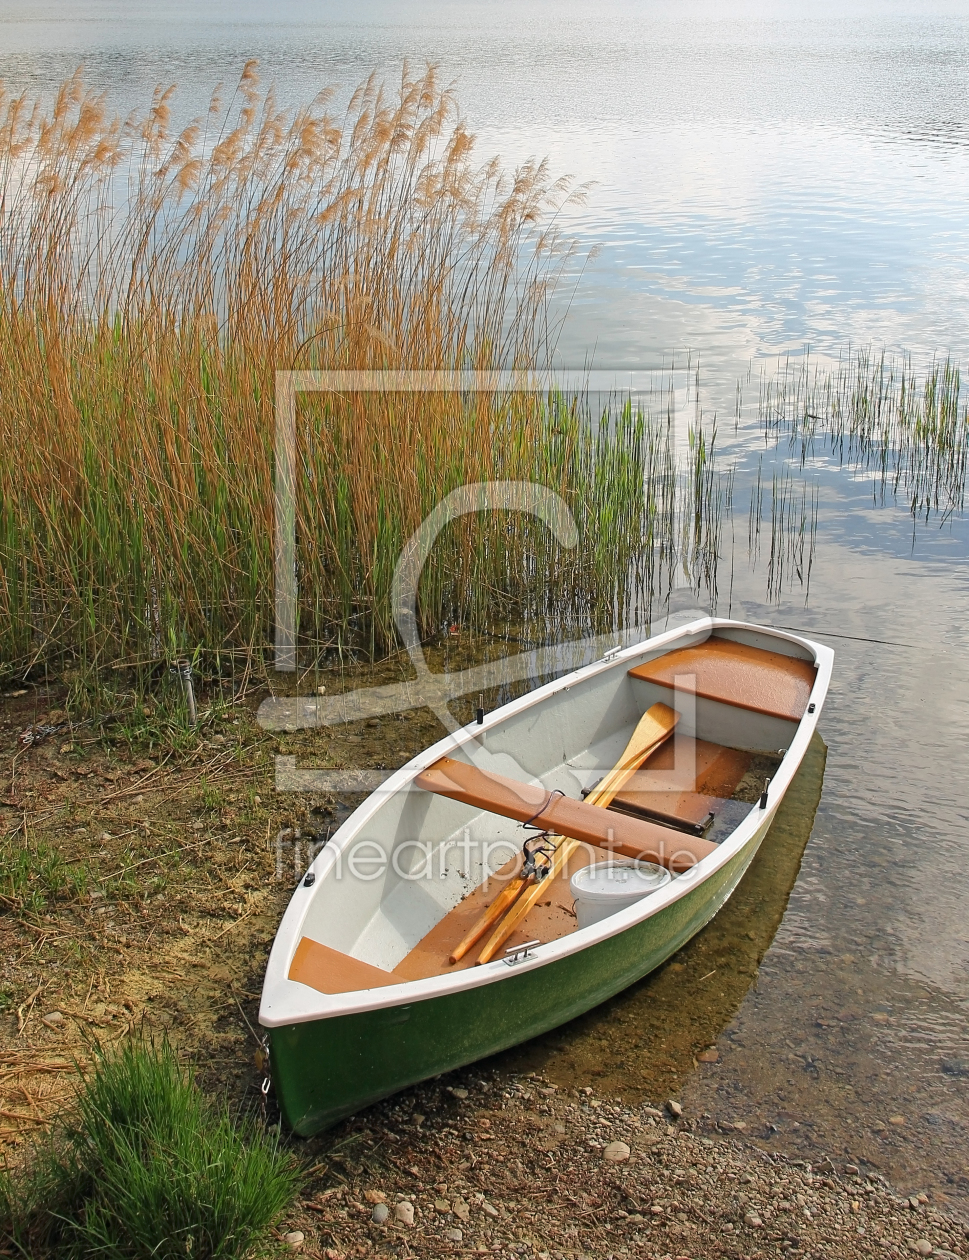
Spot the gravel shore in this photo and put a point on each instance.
(519, 1167)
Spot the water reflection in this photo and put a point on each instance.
(764, 177)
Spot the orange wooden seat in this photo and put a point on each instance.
(737, 674)
(559, 814)
(684, 783)
(330, 971)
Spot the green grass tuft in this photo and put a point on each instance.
(145, 1166)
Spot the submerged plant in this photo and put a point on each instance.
(145, 1167)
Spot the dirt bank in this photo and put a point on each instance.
(141, 888)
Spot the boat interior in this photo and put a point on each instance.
(426, 865)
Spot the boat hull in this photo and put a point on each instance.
(326, 1069)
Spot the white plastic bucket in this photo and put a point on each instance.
(608, 887)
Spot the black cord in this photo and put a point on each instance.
(545, 804)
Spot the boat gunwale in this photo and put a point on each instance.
(309, 1004)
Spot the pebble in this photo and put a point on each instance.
(53, 1019)
(709, 1056)
(896, 1120)
(294, 1239)
(459, 1093)
(724, 1183)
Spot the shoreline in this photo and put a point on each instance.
(134, 949)
(496, 1165)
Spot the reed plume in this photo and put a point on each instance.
(152, 283)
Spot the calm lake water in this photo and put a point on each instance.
(763, 181)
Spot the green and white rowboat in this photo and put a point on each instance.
(360, 999)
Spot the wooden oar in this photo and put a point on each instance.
(654, 728)
(505, 899)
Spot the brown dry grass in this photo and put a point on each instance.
(153, 281)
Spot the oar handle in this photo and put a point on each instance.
(508, 895)
(563, 851)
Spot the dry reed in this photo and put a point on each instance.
(153, 282)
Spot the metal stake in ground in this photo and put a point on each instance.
(183, 672)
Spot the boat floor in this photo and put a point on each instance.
(687, 795)
(721, 778)
(661, 796)
(551, 918)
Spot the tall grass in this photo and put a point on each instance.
(144, 1167)
(151, 285)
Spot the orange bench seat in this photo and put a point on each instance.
(737, 674)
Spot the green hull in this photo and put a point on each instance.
(326, 1069)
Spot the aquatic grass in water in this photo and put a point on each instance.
(875, 414)
(146, 1168)
(793, 528)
